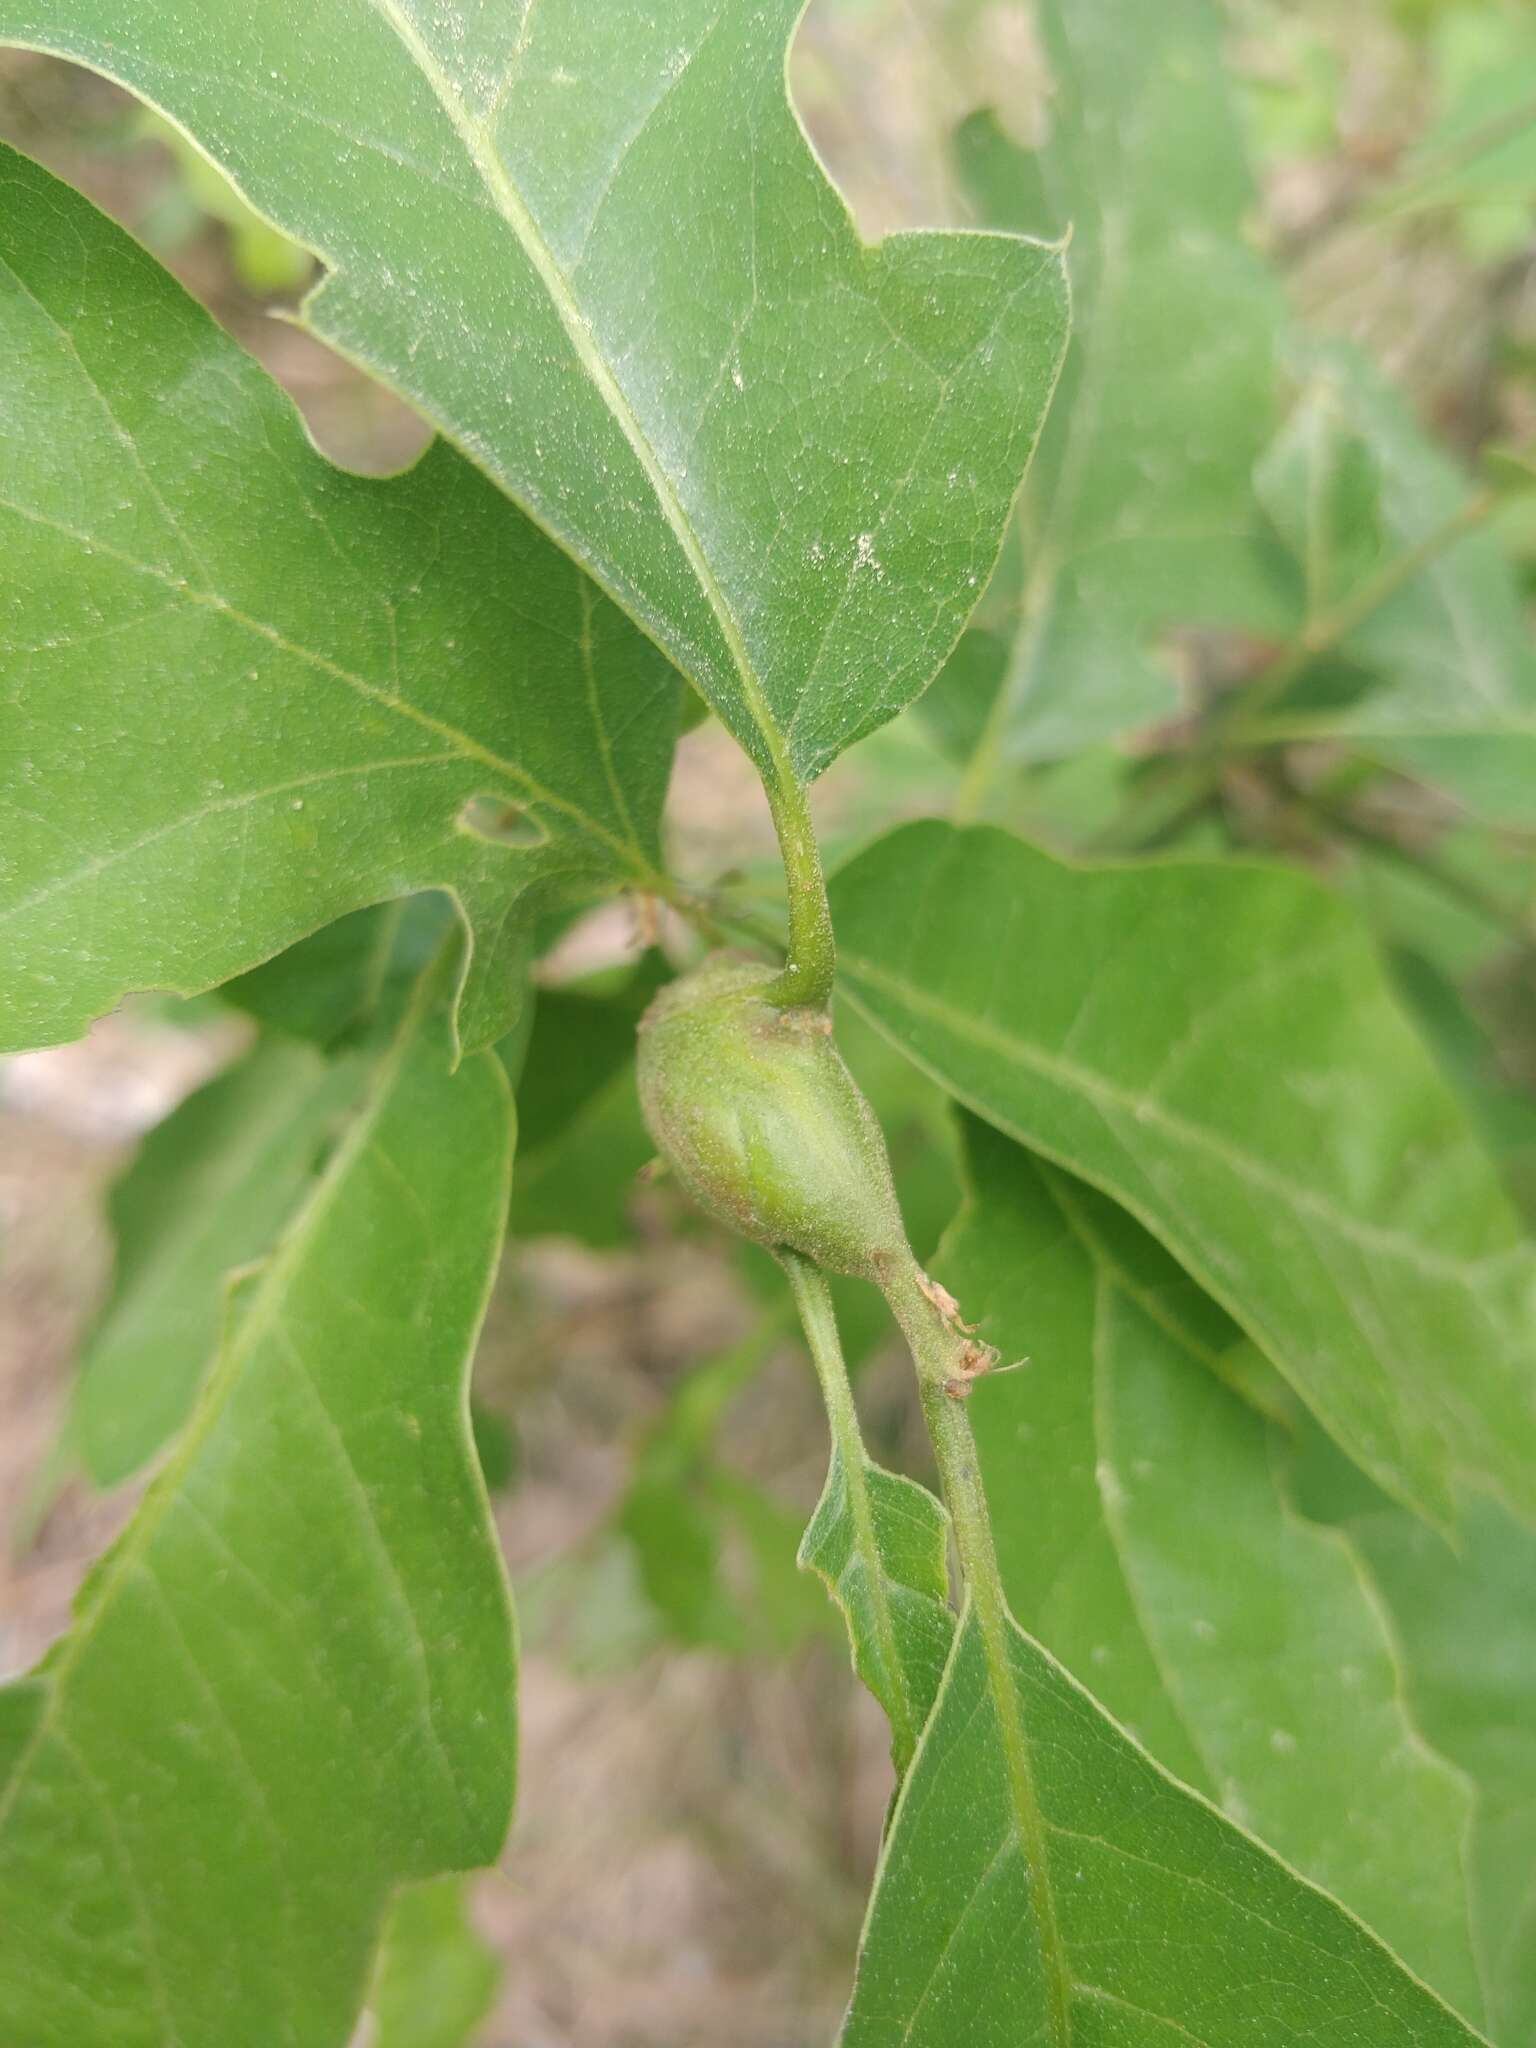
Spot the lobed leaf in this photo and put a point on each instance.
(1167, 1922)
(248, 693)
(594, 247)
(289, 1687)
(1215, 1046)
(1145, 1538)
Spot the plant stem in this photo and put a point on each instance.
(814, 1301)
(812, 962)
(940, 1354)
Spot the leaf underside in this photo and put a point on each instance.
(289, 1686)
(595, 248)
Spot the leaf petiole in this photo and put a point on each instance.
(812, 956)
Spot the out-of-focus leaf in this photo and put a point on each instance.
(1467, 1621)
(1139, 513)
(581, 1136)
(1141, 1916)
(264, 260)
(689, 1520)
(956, 708)
(1505, 1114)
(247, 692)
(345, 977)
(437, 1976)
(1145, 1539)
(1478, 156)
(1294, 100)
(1464, 1614)
(595, 248)
(1354, 486)
(208, 1192)
(288, 1688)
(1215, 1045)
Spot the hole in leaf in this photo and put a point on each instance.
(508, 824)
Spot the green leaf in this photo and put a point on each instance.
(1139, 513)
(1170, 1924)
(1465, 1618)
(289, 1686)
(880, 1542)
(437, 1977)
(1239, 1642)
(339, 981)
(1479, 156)
(596, 250)
(1354, 485)
(249, 693)
(714, 1553)
(1504, 1113)
(1215, 1046)
(1467, 1622)
(581, 1138)
(208, 1193)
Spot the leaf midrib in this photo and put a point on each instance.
(479, 144)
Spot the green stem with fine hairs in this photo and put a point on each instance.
(812, 962)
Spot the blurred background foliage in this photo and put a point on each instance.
(1284, 517)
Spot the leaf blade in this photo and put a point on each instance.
(392, 654)
(1138, 1866)
(1214, 1046)
(302, 1642)
(715, 388)
(207, 1193)
(885, 1563)
(1139, 511)
(1239, 1642)
(437, 1976)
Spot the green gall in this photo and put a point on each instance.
(752, 1107)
